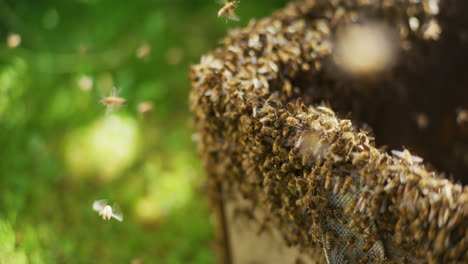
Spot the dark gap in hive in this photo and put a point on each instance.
(431, 78)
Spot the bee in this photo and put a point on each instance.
(325, 110)
(351, 241)
(432, 232)
(455, 220)
(360, 158)
(435, 206)
(337, 185)
(329, 240)
(106, 211)
(267, 130)
(346, 125)
(399, 229)
(349, 181)
(113, 101)
(406, 156)
(417, 229)
(365, 259)
(328, 181)
(351, 207)
(316, 223)
(367, 246)
(301, 185)
(228, 10)
(361, 205)
(377, 199)
(292, 121)
(440, 242)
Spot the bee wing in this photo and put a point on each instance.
(397, 153)
(115, 91)
(110, 109)
(223, 2)
(98, 205)
(117, 212)
(233, 16)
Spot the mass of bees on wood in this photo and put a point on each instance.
(265, 133)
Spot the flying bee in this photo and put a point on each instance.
(228, 10)
(106, 211)
(113, 101)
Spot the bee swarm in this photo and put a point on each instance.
(265, 136)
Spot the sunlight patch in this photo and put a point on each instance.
(105, 148)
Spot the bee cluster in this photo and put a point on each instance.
(265, 136)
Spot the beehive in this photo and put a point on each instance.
(288, 138)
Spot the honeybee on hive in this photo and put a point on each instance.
(227, 10)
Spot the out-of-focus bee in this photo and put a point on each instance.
(422, 120)
(436, 203)
(455, 220)
(325, 110)
(228, 10)
(106, 211)
(440, 243)
(113, 101)
(462, 116)
(392, 184)
(145, 107)
(458, 249)
(365, 259)
(13, 40)
(417, 229)
(400, 225)
(377, 199)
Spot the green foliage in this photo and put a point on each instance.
(59, 151)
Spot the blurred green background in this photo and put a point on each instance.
(59, 151)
